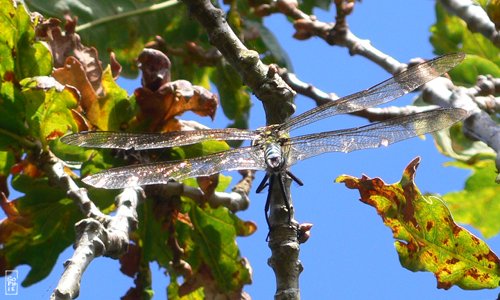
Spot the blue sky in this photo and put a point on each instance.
(350, 254)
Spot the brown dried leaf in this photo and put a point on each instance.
(14, 223)
(116, 68)
(73, 73)
(81, 121)
(129, 262)
(208, 184)
(68, 43)
(59, 43)
(155, 67)
(173, 99)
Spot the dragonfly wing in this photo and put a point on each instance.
(161, 172)
(374, 135)
(395, 87)
(142, 141)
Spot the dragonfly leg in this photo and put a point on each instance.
(263, 183)
(268, 200)
(285, 196)
(294, 178)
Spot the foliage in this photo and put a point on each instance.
(427, 238)
(478, 203)
(41, 104)
(175, 33)
(450, 34)
(54, 81)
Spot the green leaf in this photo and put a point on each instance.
(450, 34)
(70, 154)
(466, 73)
(40, 232)
(207, 237)
(21, 57)
(48, 111)
(307, 6)
(234, 96)
(478, 204)
(268, 43)
(454, 144)
(427, 238)
(27, 57)
(131, 24)
(6, 162)
(200, 149)
(152, 233)
(114, 109)
(12, 114)
(214, 237)
(173, 293)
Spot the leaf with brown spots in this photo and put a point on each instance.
(427, 238)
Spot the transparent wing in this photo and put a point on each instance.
(383, 92)
(246, 158)
(142, 141)
(372, 136)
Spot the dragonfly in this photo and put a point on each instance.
(272, 149)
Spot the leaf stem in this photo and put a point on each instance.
(23, 141)
(152, 8)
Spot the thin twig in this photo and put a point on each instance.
(234, 201)
(98, 234)
(308, 26)
(22, 140)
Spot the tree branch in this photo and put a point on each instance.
(441, 92)
(484, 92)
(479, 125)
(94, 239)
(98, 234)
(268, 87)
(235, 201)
(276, 97)
(89, 244)
(476, 18)
(338, 33)
(54, 168)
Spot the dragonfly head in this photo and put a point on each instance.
(274, 157)
(274, 162)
